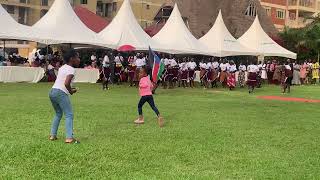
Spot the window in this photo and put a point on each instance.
(84, 1)
(147, 6)
(23, 1)
(114, 7)
(10, 9)
(43, 12)
(268, 10)
(44, 2)
(280, 14)
(251, 10)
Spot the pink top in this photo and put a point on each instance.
(145, 86)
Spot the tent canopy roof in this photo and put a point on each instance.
(176, 37)
(11, 29)
(125, 30)
(257, 39)
(90, 19)
(220, 41)
(62, 25)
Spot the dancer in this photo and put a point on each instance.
(296, 74)
(315, 72)
(184, 74)
(303, 72)
(242, 75)
(203, 72)
(215, 74)
(59, 96)
(223, 73)
(231, 73)
(252, 76)
(192, 74)
(106, 71)
(286, 78)
(145, 90)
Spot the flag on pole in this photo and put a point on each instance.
(158, 66)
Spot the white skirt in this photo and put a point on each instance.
(264, 74)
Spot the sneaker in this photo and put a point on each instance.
(139, 121)
(160, 121)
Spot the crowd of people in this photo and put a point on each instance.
(180, 71)
(214, 72)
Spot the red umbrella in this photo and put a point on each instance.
(126, 48)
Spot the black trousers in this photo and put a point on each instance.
(150, 100)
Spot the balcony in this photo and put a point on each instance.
(302, 5)
(298, 23)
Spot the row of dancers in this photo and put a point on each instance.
(183, 73)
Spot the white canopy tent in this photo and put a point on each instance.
(258, 40)
(11, 29)
(125, 30)
(61, 25)
(220, 41)
(176, 38)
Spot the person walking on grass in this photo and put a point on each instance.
(59, 96)
(145, 90)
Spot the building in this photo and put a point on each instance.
(291, 13)
(277, 10)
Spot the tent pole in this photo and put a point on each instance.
(70, 45)
(47, 52)
(4, 49)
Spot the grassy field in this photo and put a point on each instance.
(210, 134)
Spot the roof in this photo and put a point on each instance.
(11, 29)
(90, 19)
(61, 25)
(176, 38)
(125, 30)
(257, 39)
(220, 41)
(202, 13)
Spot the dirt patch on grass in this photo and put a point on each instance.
(289, 99)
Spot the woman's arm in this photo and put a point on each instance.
(67, 83)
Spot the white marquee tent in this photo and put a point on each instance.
(176, 38)
(220, 41)
(125, 30)
(11, 29)
(257, 39)
(62, 25)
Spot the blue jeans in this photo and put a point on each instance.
(61, 104)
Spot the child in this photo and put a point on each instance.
(145, 90)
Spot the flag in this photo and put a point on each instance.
(158, 66)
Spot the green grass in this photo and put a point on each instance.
(210, 134)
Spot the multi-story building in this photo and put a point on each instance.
(277, 11)
(291, 13)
